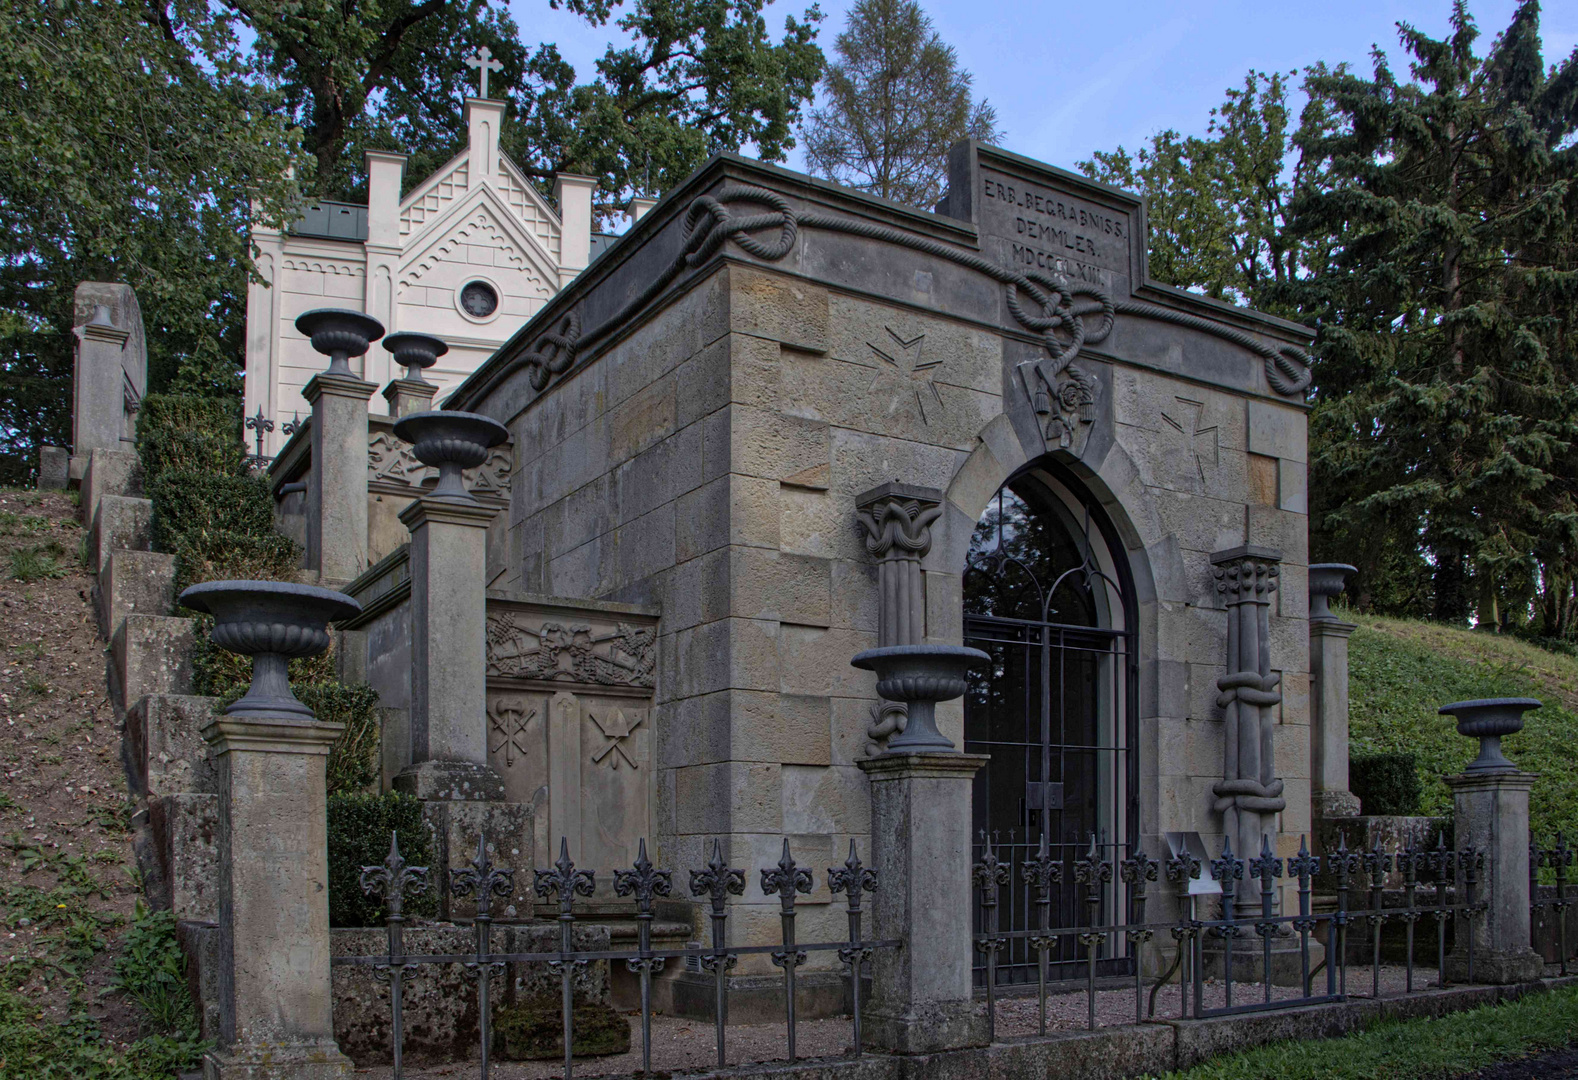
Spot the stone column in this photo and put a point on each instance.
(1491, 811)
(896, 520)
(407, 396)
(277, 1015)
(449, 540)
(922, 994)
(1249, 796)
(269, 752)
(1329, 794)
(1490, 806)
(337, 484)
(449, 750)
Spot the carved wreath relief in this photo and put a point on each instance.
(625, 655)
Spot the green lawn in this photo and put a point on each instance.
(1402, 671)
(1412, 1049)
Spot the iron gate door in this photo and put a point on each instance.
(1055, 711)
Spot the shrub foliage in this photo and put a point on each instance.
(359, 828)
(1386, 784)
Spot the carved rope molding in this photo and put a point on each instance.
(709, 223)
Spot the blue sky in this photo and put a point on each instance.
(1070, 78)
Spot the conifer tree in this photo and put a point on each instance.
(895, 101)
(1447, 403)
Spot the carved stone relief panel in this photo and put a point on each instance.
(570, 710)
(390, 461)
(550, 648)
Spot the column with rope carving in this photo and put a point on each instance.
(896, 519)
(1249, 795)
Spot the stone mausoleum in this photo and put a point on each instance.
(779, 422)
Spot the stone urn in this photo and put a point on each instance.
(1487, 720)
(340, 334)
(415, 352)
(272, 622)
(1326, 582)
(920, 676)
(451, 442)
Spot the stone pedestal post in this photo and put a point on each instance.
(277, 1016)
(922, 994)
(337, 488)
(1330, 796)
(449, 751)
(407, 396)
(1491, 810)
(268, 750)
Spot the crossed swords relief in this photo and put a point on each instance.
(510, 717)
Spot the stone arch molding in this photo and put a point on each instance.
(1000, 453)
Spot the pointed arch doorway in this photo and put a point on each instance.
(1049, 597)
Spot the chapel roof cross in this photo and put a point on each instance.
(482, 61)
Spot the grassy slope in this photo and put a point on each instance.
(1446, 1046)
(1402, 671)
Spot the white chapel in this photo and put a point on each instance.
(468, 256)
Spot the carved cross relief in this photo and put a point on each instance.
(903, 373)
(616, 727)
(1203, 445)
(508, 719)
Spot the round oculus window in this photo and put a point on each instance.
(479, 300)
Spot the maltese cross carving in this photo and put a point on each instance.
(903, 374)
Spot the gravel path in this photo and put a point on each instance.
(683, 1045)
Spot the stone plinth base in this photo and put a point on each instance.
(450, 781)
(941, 1026)
(759, 999)
(1249, 961)
(277, 1061)
(511, 830)
(1328, 805)
(1497, 968)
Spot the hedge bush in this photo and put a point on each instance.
(1386, 784)
(187, 431)
(359, 828)
(354, 757)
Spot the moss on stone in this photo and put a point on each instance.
(533, 1029)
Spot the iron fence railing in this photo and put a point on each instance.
(1558, 859)
(395, 882)
(1440, 883)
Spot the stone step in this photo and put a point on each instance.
(164, 752)
(150, 654)
(134, 582)
(121, 522)
(109, 472)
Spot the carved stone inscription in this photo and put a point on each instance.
(1036, 227)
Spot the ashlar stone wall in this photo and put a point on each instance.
(701, 454)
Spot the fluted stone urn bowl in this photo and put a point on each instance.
(273, 622)
(920, 676)
(339, 334)
(1488, 719)
(451, 442)
(414, 352)
(1327, 580)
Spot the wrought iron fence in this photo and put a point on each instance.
(1559, 860)
(395, 882)
(1440, 883)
